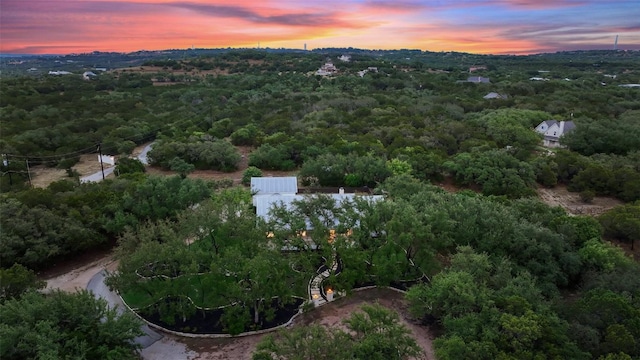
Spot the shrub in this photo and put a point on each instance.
(251, 171)
(68, 163)
(270, 157)
(129, 166)
(587, 196)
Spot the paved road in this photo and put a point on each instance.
(97, 177)
(143, 155)
(99, 289)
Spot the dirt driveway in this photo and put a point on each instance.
(560, 196)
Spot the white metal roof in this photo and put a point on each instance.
(264, 203)
(274, 185)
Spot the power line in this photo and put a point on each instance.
(93, 148)
(77, 152)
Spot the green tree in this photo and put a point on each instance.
(512, 127)
(496, 171)
(613, 317)
(339, 170)
(379, 334)
(398, 167)
(17, 280)
(577, 229)
(271, 157)
(251, 171)
(299, 343)
(622, 222)
(127, 165)
(63, 325)
(603, 256)
(247, 135)
(182, 167)
(453, 293)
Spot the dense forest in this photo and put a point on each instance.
(508, 276)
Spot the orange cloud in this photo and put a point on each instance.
(485, 26)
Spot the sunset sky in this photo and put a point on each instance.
(476, 26)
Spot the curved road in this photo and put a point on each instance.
(99, 289)
(97, 285)
(97, 177)
(143, 155)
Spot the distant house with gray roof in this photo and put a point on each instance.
(478, 79)
(553, 130)
(494, 95)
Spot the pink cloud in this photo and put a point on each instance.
(486, 26)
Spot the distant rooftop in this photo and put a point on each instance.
(478, 79)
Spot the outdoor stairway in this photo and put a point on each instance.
(315, 285)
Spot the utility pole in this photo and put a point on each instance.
(29, 173)
(101, 165)
(9, 171)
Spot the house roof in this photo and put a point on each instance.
(494, 95)
(550, 122)
(568, 126)
(478, 79)
(264, 203)
(274, 185)
(562, 128)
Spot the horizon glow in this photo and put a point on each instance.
(474, 26)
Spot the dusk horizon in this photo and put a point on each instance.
(499, 27)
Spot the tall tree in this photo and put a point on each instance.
(63, 325)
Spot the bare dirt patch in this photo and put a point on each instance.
(236, 176)
(557, 196)
(73, 275)
(449, 185)
(560, 196)
(42, 176)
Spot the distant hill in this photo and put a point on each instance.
(24, 64)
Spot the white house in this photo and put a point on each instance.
(282, 191)
(553, 131)
(59, 73)
(87, 75)
(327, 69)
